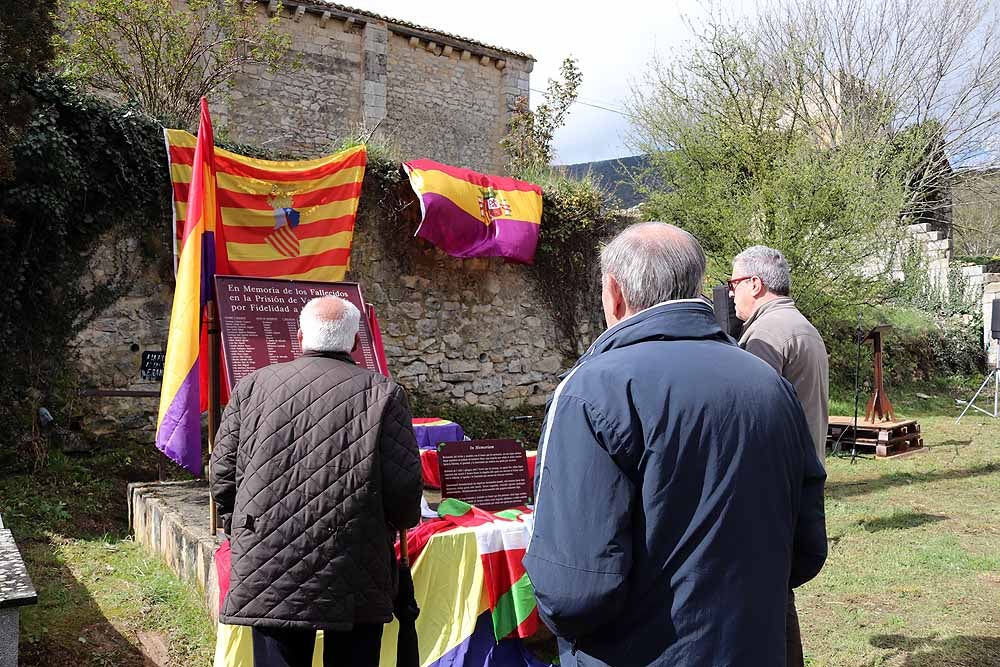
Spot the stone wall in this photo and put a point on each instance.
(464, 331)
(433, 95)
(304, 111)
(987, 284)
(430, 84)
(935, 245)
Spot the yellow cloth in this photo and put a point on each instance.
(448, 582)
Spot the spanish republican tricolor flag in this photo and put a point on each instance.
(178, 426)
(281, 219)
(468, 214)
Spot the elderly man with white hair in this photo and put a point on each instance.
(678, 493)
(314, 470)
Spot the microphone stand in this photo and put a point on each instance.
(859, 339)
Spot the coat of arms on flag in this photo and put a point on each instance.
(286, 219)
(492, 205)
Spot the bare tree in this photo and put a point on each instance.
(165, 55)
(867, 69)
(977, 213)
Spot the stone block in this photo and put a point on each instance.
(549, 364)
(416, 368)
(537, 399)
(463, 366)
(457, 377)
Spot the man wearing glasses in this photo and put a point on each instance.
(774, 330)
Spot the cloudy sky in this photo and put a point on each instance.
(613, 42)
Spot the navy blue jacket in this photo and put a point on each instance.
(678, 498)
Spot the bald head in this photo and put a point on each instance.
(328, 324)
(653, 262)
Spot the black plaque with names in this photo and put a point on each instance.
(259, 321)
(151, 366)
(490, 474)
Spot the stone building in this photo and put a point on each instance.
(433, 94)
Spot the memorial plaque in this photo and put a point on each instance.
(259, 321)
(490, 474)
(151, 366)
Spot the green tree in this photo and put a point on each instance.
(528, 142)
(25, 48)
(166, 55)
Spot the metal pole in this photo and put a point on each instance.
(213, 401)
(996, 381)
(995, 374)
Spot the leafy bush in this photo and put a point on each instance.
(87, 175)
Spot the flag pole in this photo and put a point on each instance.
(213, 401)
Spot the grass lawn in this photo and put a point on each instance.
(102, 600)
(913, 578)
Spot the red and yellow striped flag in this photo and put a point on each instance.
(280, 219)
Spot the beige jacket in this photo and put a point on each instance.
(780, 335)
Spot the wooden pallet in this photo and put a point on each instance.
(886, 439)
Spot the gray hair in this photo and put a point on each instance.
(654, 262)
(767, 264)
(329, 324)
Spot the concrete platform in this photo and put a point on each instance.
(170, 519)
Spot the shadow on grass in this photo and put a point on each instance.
(67, 502)
(960, 651)
(839, 490)
(67, 627)
(900, 521)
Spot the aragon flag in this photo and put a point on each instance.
(182, 392)
(468, 214)
(281, 219)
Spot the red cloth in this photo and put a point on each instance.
(432, 476)
(417, 538)
(222, 562)
(377, 341)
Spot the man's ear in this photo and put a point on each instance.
(298, 334)
(357, 342)
(618, 307)
(759, 288)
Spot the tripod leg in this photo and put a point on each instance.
(993, 374)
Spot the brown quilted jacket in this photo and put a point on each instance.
(314, 467)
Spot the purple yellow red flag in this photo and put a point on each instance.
(282, 219)
(182, 394)
(468, 214)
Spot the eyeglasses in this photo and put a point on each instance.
(736, 281)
